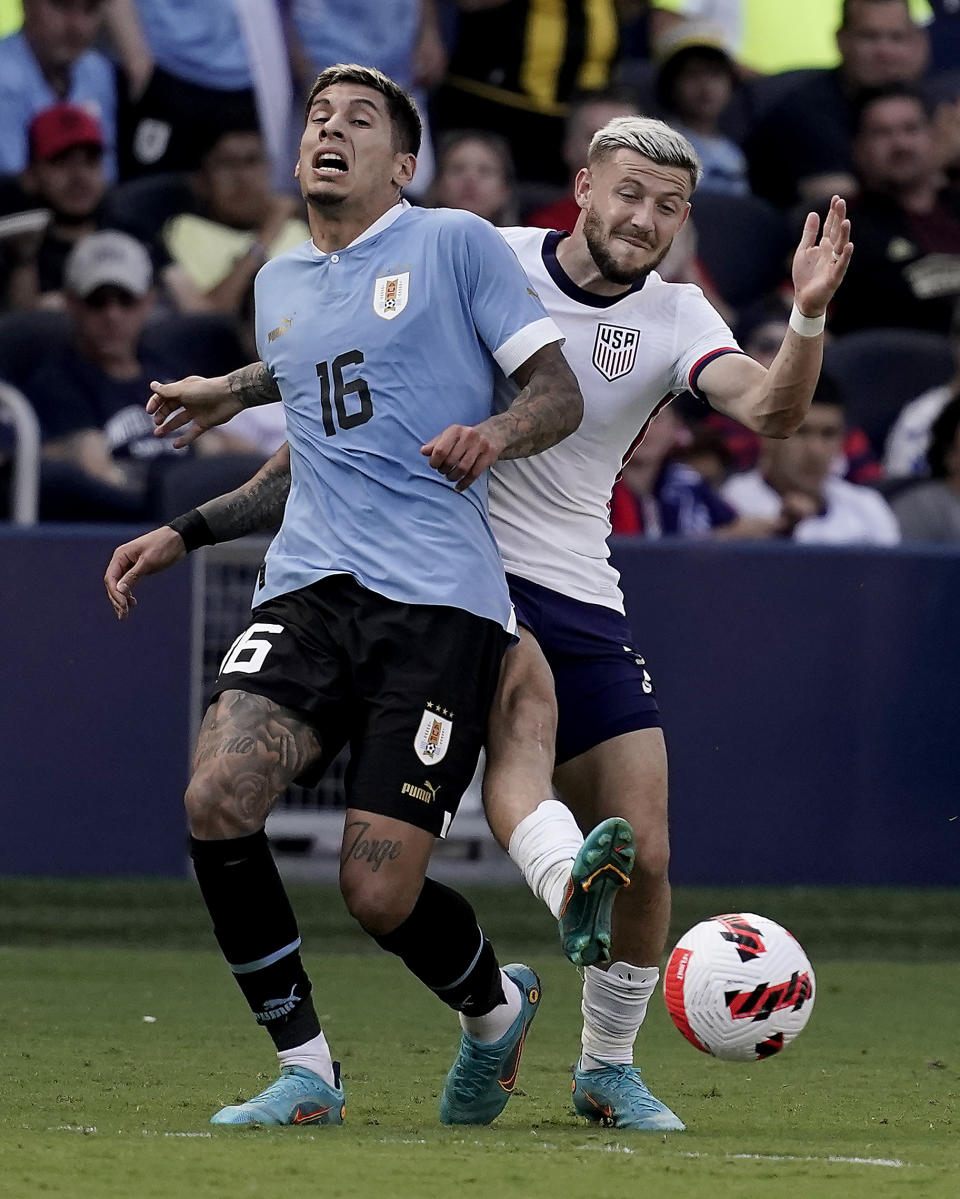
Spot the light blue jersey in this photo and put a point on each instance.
(376, 349)
(24, 91)
(199, 42)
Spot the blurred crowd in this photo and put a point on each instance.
(146, 154)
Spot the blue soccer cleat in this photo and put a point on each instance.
(483, 1076)
(297, 1097)
(617, 1097)
(601, 867)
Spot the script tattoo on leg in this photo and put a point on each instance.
(369, 849)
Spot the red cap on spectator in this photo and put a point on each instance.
(61, 127)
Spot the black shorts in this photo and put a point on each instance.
(409, 686)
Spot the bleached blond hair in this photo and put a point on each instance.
(649, 137)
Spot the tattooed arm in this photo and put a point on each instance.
(548, 408)
(255, 506)
(209, 402)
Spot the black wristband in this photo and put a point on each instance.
(193, 528)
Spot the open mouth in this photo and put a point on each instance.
(329, 162)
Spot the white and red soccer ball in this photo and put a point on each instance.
(739, 987)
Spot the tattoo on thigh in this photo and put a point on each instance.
(368, 849)
(253, 748)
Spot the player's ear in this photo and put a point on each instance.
(582, 187)
(686, 213)
(296, 170)
(404, 167)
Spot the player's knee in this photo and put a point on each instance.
(526, 707)
(378, 905)
(213, 811)
(652, 856)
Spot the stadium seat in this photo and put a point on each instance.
(29, 338)
(742, 243)
(198, 344)
(177, 487)
(142, 206)
(880, 370)
(205, 343)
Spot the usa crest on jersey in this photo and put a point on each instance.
(615, 350)
(390, 294)
(433, 737)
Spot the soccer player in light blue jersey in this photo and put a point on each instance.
(381, 611)
(632, 340)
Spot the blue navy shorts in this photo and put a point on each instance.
(603, 686)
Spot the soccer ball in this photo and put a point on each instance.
(739, 987)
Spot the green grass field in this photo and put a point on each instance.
(97, 1103)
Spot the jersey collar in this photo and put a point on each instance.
(378, 226)
(548, 252)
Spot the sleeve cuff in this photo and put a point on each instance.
(526, 341)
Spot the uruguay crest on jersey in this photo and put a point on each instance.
(433, 736)
(390, 294)
(615, 350)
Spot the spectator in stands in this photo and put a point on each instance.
(931, 511)
(213, 255)
(475, 173)
(696, 81)
(767, 37)
(908, 441)
(588, 112)
(98, 444)
(516, 66)
(794, 484)
(657, 496)
(907, 269)
(188, 76)
(48, 60)
(802, 148)
(66, 177)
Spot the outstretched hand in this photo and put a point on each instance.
(146, 555)
(819, 267)
(205, 402)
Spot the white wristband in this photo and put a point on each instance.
(806, 326)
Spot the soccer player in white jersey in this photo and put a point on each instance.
(634, 341)
(382, 335)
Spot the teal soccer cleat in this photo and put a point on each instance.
(601, 867)
(483, 1076)
(617, 1097)
(297, 1097)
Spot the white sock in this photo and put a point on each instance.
(312, 1055)
(495, 1023)
(544, 845)
(614, 1005)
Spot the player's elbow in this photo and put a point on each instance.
(572, 408)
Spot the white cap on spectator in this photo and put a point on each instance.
(105, 258)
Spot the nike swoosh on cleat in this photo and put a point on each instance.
(603, 1109)
(510, 1081)
(299, 1118)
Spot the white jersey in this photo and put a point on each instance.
(631, 355)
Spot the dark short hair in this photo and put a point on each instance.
(943, 434)
(848, 4)
(828, 391)
(878, 95)
(401, 107)
(673, 67)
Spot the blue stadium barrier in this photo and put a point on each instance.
(93, 714)
(809, 699)
(810, 702)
